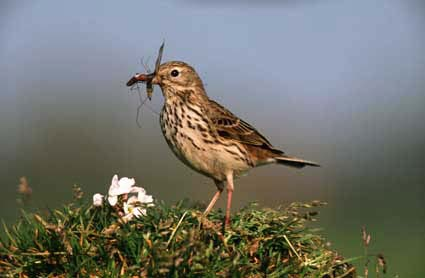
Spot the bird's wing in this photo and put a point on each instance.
(231, 127)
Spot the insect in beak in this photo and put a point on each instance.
(149, 90)
(147, 78)
(140, 77)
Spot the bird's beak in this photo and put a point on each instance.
(141, 78)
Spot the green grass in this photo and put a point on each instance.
(177, 241)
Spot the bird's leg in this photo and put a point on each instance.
(212, 203)
(229, 178)
(214, 199)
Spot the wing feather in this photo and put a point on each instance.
(231, 127)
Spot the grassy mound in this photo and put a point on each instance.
(80, 240)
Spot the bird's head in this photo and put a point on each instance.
(174, 76)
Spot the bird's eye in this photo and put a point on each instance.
(174, 73)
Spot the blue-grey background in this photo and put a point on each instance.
(335, 81)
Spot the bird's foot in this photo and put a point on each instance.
(227, 223)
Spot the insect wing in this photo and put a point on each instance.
(158, 59)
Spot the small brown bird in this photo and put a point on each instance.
(206, 136)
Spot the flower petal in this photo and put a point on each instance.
(143, 198)
(123, 186)
(126, 182)
(112, 200)
(115, 180)
(114, 187)
(127, 217)
(132, 200)
(137, 211)
(97, 200)
(138, 189)
(127, 208)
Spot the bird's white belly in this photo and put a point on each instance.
(188, 135)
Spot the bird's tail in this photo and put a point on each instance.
(294, 162)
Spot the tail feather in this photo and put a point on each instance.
(295, 162)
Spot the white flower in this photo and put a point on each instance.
(134, 205)
(120, 187)
(131, 209)
(144, 199)
(97, 200)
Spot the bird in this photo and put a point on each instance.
(205, 135)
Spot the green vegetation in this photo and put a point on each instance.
(83, 240)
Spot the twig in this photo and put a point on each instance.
(346, 273)
(45, 253)
(175, 229)
(292, 247)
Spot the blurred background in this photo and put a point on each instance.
(333, 81)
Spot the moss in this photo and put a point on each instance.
(175, 241)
